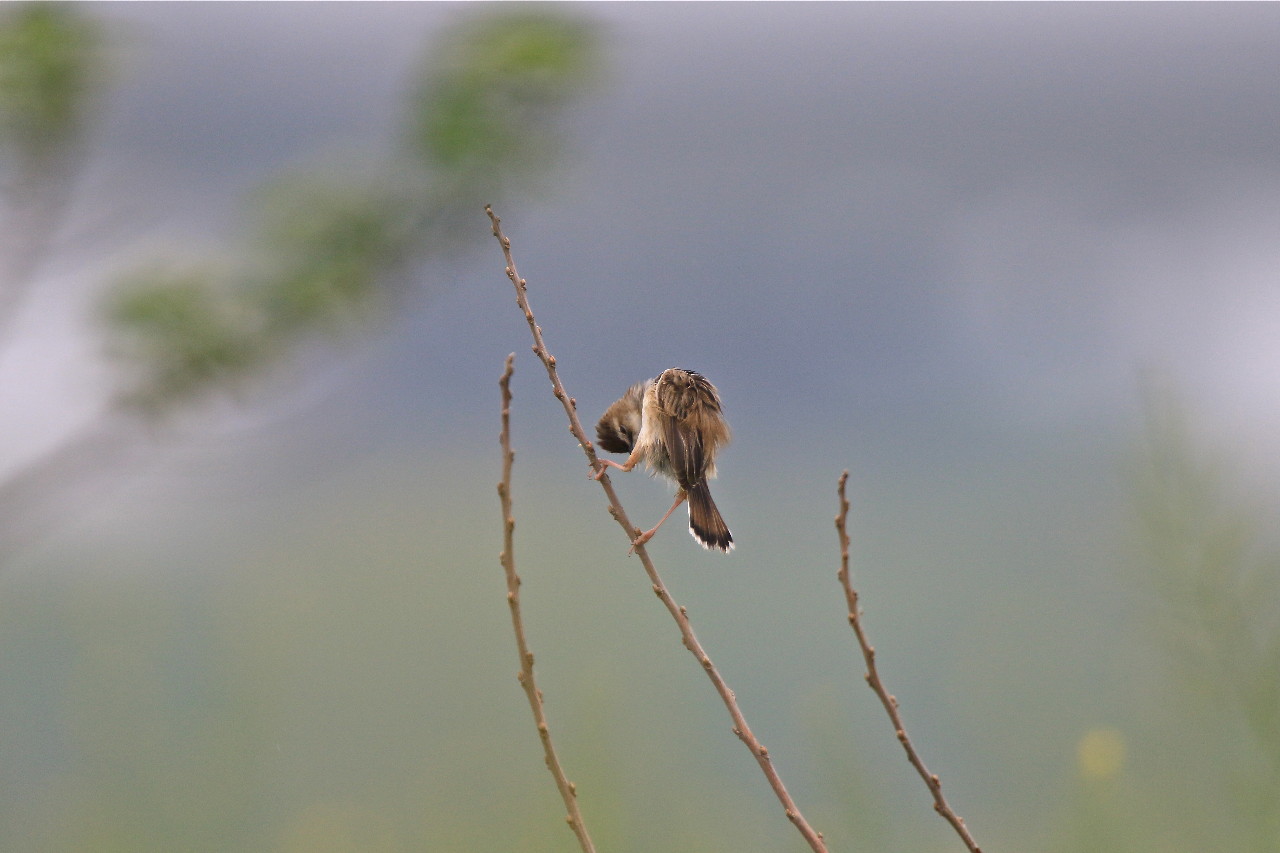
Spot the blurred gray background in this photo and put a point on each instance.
(1013, 266)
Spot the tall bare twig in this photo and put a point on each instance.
(887, 699)
(678, 613)
(568, 792)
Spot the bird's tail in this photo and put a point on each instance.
(705, 522)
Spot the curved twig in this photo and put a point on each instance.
(887, 699)
(568, 792)
(690, 640)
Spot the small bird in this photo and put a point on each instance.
(675, 425)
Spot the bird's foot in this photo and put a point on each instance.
(641, 539)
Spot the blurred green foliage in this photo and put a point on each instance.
(184, 332)
(50, 60)
(52, 67)
(332, 249)
(1215, 577)
(486, 98)
(323, 247)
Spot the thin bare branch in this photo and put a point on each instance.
(678, 613)
(568, 792)
(873, 680)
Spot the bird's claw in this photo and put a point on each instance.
(640, 540)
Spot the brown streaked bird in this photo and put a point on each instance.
(675, 425)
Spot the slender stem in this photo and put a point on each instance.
(887, 699)
(568, 792)
(678, 613)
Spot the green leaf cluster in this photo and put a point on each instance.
(187, 331)
(49, 59)
(332, 248)
(324, 246)
(486, 95)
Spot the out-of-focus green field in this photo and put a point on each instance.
(326, 664)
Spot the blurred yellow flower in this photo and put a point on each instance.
(1100, 753)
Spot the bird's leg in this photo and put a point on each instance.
(648, 534)
(604, 464)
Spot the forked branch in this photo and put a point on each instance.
(887, 699)
(567, 790)
(690, 640)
